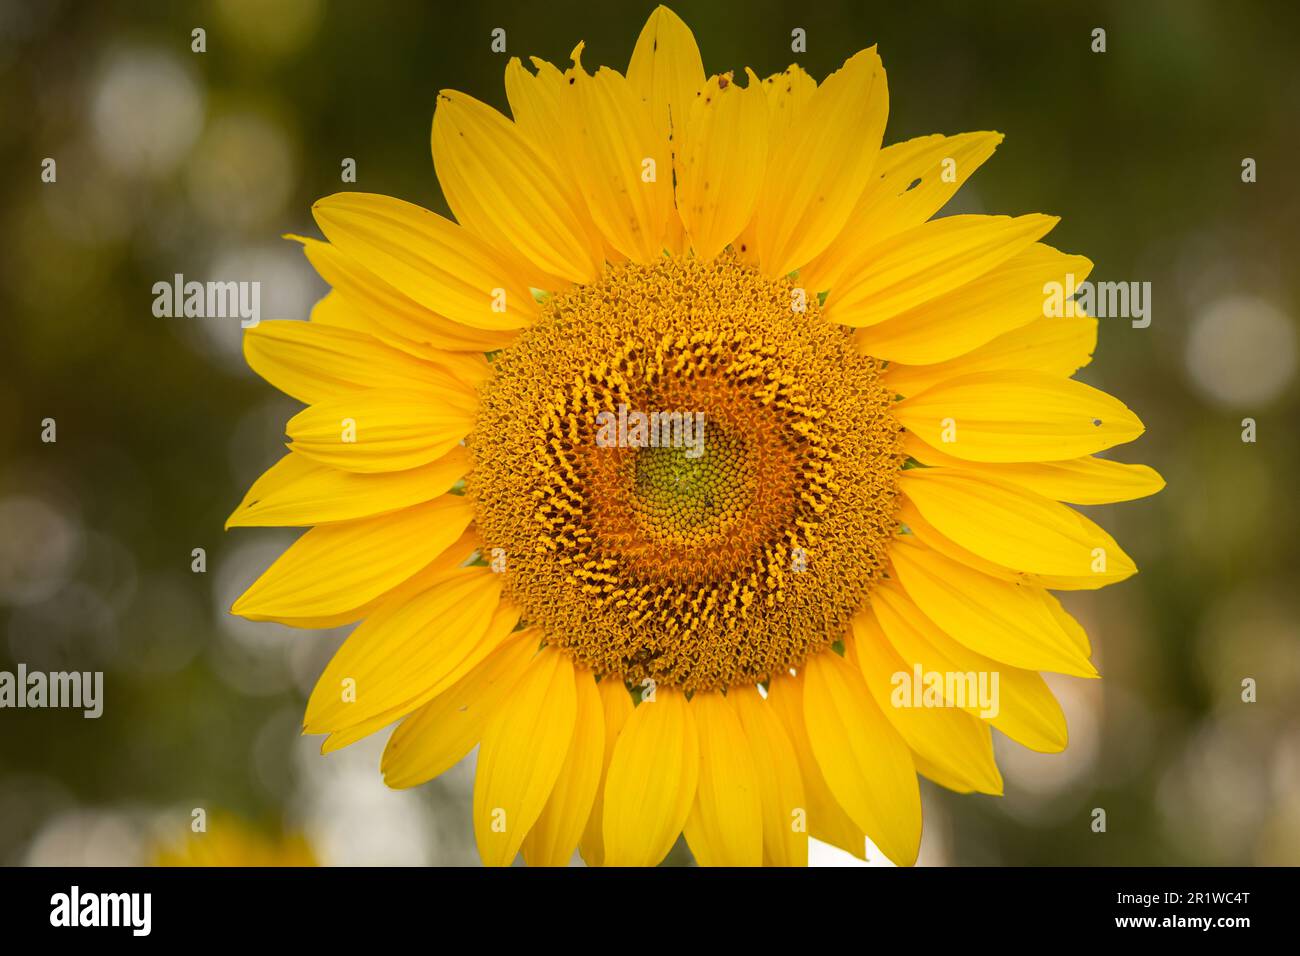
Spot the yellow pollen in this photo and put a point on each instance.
(690, 481)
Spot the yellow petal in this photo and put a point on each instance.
(788, 94)
(517, 201)
(826, 819)
(338, 568)
(438, 736)
(502, 623)
(780, 784)
(1007, 297)
(383, 429)
(725, 827)
(535, 104)
(909, 183)
(336, 311)
(545, 113)
(546, 110)
(312, 362)
(626, 173)
(952, 740)
(866, 763)
(936, 774)
(433, 261)
(616, 708)
(913, 267)
(403, 651)
(1029, 714)
(453, 556)
(1017, 416)
(721, 161)
(519, 760)
(819, 168)
(555, 835)
(1071, 627)
(1057, 346)
(1008, 622)
(1081, 481)
(930, 536)
(299, 491)
(914, 180)
(363, 302)
(650, 787)
(1016, 528)
(666, 70)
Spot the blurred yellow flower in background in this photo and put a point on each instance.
(705, 635)
(229, 841)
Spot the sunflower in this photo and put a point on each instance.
(647, 638)
(233, 842)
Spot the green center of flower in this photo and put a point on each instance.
(694, 491)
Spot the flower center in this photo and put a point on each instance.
(680, 496)
(691, 482)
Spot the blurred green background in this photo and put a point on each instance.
(173, 161)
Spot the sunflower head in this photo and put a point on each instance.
(674, 547)
(662, 469)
